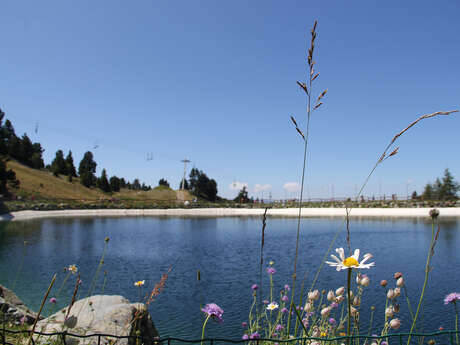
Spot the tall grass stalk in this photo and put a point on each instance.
(98, 269)
(41, 308)
(434, 238)
(312, 75)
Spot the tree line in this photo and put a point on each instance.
(444, 188)
(23, 150)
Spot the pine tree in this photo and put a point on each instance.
(87, 169)
(103, 182)
(163, 182)
(449, 186)
(114, 184)
(7, 178)
(58, 165)
(242, 196)
(70, 167)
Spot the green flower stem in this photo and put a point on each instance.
(427, 272)
(456, 322)
(204, 326)
(349, 305)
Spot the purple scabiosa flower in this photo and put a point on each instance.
(214, 311)
(384, 343)
(285, 298)
(245, 337)
(287, 288)
(279, 327)
(53, 300)
(254, 335)
(332, 321)
(284, 310)
(271, 270)
(254, 287)
(265, 301)
(452, 297)
(244, 324)
(334, 305)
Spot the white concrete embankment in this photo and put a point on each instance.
(235, 212)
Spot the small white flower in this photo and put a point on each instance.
(139, 283)
(330, 296)
(365, 281)
(272, 306)
(340, 291)
(308, 307)
(313, 295)
(389, 311)
(325, 311)
(395, 323)
(391, 294)
(400, 282)
(349, 262)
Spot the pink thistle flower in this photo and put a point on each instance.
(53, 300)
(254, 287)
(451, 298)
(271, 270)
(214, 311)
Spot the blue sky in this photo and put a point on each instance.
(215, 81)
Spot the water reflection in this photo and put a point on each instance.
(226, 251)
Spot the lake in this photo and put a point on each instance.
(227, 253)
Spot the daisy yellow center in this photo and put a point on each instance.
(350, 262)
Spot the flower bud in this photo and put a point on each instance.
(396, 308)
(434, 213)
(356, 301)
(308, 307)
(340, 291)
(383, 283)
(340, 299)
(391, 294)
(313, 295)
(325, 311)
(389, 312)
(400, 282)
(330, 296)
(354, 311)
(365, 280)
(358, 278)
(397, 275)
(395, 323)
(397, 292)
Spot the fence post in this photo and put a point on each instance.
(98, 339)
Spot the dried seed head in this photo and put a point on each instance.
(395, 151)
(397, 275)
(318, 105)
(434, 213)
(383, 283)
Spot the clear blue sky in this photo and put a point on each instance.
(215, 81)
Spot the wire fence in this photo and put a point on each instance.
(445, 337)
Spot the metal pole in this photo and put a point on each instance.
(185, 161)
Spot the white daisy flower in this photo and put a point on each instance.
(272, 306)
(350, 262)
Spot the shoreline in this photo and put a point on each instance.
(233, 212)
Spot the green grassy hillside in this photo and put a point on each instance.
(43, 185)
